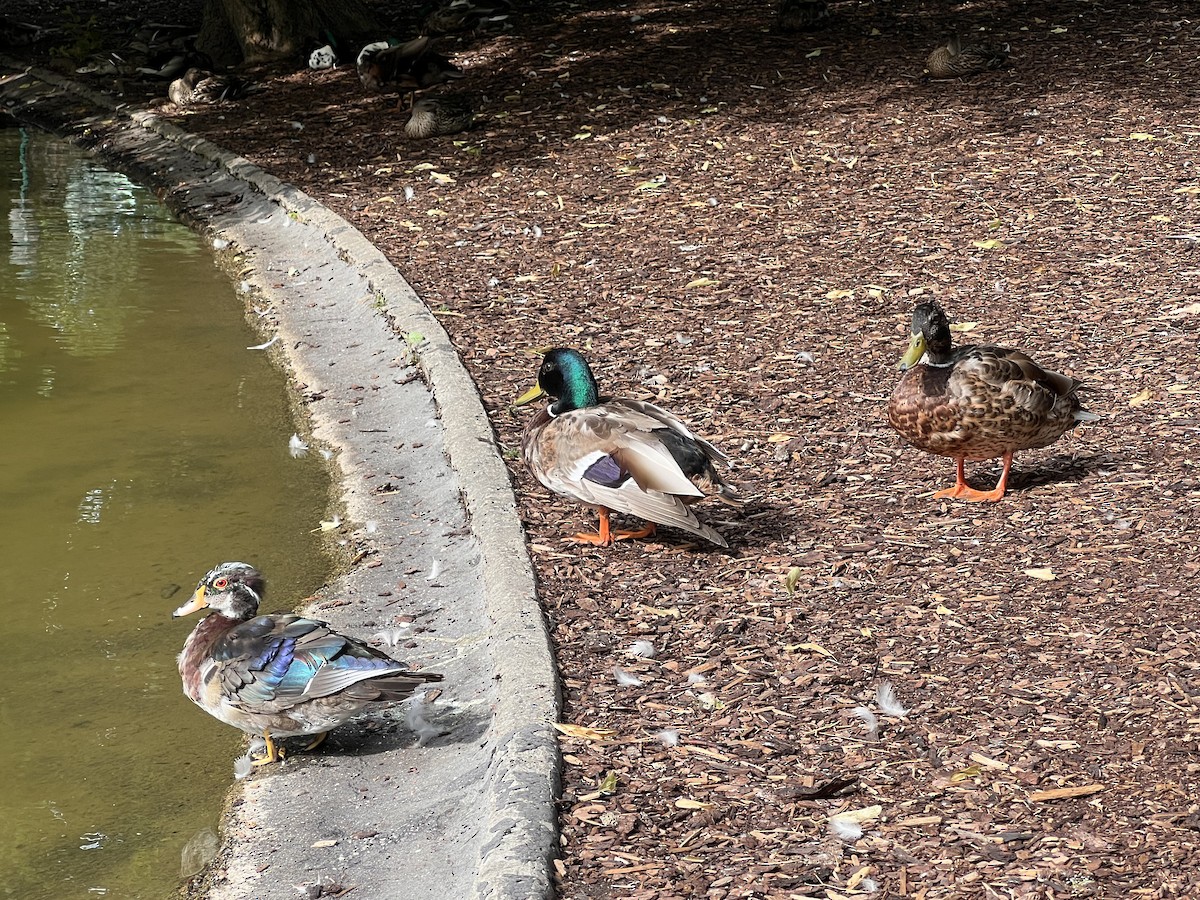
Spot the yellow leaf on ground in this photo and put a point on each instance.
(779, 438)
(583, 733)
(989, 244)
(963, 326)
(1040, 574)
(685, 803)
(703, 281)
(963, 774)
(1140, 398)
(839, 294)
(1141, 136)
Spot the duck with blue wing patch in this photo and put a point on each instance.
(280, 676)
(618, 455)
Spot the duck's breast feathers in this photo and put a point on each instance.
(277, 662)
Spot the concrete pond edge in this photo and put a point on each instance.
(520, 821)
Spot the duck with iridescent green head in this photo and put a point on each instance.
(618, 455)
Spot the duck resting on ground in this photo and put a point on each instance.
(458, 16)
(200, 86)
(973, 402)
(279, 676)
(953, 60)
(437, 116)
(618, 455)
(406, 67)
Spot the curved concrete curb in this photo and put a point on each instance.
(520, 776)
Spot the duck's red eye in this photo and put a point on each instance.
(221, 583)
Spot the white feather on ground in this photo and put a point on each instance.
(889, 705)
(644, 649)
(870, 722)
(625, 679)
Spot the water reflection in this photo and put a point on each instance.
(143, 442)
(77, 257)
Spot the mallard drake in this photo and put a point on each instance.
(279, 676)
(977, 402)
(435, 116)
(617, 455)
(952, 60)
(464, 15)
(199, 86)
(407, 67)
(802, 15)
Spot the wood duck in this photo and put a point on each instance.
(280, 675)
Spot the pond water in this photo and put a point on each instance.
(142, 444)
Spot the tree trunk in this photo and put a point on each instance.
(264, 30)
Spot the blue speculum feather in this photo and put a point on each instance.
(606, 471)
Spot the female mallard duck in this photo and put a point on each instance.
(279, 676)
(200, 86)
(437, 116)
(618, 455)
(977, 402)
(408, 67)
(952, 60)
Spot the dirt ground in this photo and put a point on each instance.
(736, 224)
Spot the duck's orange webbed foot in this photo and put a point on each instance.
(963, 491)
(274, 754)
(602, 539)
(649, 531)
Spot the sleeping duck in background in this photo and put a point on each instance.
(201, 86)
(437, 116)
(458, 16)
(279, 676)
(405, 67)
(973, 402)
(953, 60)
(618, 455)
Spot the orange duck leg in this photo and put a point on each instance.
(963, 491)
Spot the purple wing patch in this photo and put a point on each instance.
(606, 471)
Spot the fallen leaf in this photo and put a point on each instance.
(609, 784)
(1140, 397)
(963, 326)
(1040, 574)
(964, 774)
(989, 244)
(839, 294)
(792, 579)
(779, 438)
(583, 733)
(685, 803)
(1140, 136)
(703, 281)
(327, 843)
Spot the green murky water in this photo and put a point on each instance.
(141, 444)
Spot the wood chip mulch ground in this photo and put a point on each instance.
(736, 224)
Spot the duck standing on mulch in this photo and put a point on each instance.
(973, 402)
(618, 455)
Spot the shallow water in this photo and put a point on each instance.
(142, 444)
